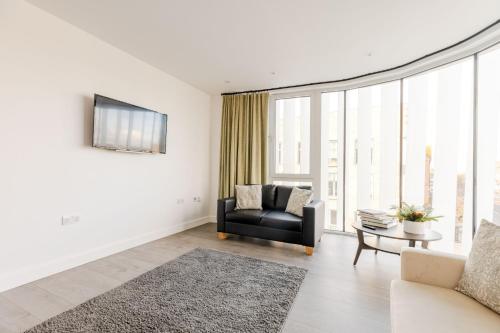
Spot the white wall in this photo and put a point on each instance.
(49, 71)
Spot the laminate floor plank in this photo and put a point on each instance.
(334, 297)
(37, 301)
(77, 285)
(14, 318)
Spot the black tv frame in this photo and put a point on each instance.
(115, 101)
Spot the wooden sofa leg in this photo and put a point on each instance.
(221, 235)
(309, 250)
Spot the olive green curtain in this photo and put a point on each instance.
(243, 144)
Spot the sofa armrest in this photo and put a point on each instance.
(313, 222)
(431, 267)
(224, 206)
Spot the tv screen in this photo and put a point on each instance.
(126, 127)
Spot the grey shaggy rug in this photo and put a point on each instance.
(201, 291)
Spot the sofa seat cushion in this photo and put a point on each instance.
(417, 307)
(248, 216)
(281, 220)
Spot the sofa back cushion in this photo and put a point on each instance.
(269, 196)
(283, 194)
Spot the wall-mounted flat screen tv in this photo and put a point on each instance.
(126, 127)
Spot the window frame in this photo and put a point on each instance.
(272, 174)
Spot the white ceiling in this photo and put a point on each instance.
(209, 42)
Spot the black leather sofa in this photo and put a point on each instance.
(272, 222)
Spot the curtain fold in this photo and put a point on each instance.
(243, 145)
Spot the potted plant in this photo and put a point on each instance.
(416, 220)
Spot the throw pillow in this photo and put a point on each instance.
(481, 277)
(248, 197)
(298, 199)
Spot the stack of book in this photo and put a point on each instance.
(376, 219)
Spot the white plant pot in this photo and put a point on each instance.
(418, 228)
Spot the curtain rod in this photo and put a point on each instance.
(367, 74)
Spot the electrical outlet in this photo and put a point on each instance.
(196, 199)
(180, 201)
(70, 219)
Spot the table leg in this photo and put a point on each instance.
(361, 241)
(425, 244)
(378, 241)
(412, 243)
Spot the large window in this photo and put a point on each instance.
(488, 136)
(292, 140)
(372, 149)
(437, 173)
(429, 139)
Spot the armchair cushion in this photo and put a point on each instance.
(417, 308)
(282, 220)
(431, 267)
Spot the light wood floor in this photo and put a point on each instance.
(335, 296)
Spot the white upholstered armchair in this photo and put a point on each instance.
(424, 299)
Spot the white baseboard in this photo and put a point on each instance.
(17, 278)
(212, 219)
